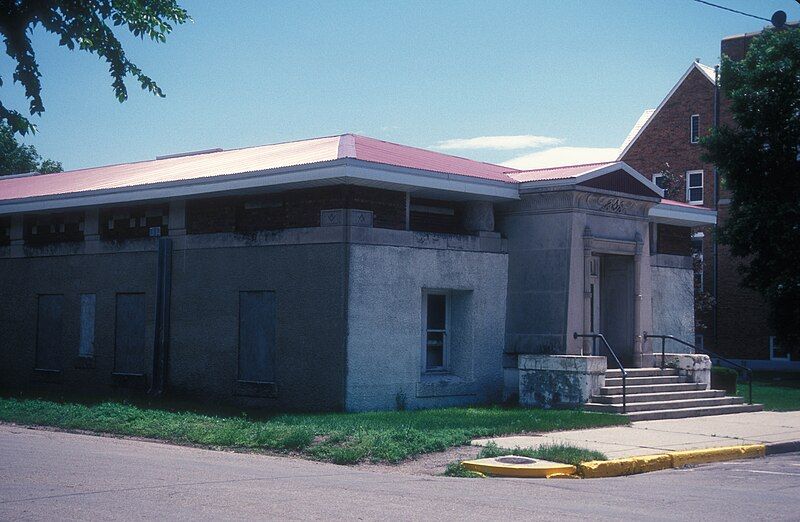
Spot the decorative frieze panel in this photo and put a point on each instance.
(577, 199)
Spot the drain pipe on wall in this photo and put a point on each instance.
(163, 295)
(714, 245)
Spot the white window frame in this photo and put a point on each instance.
(425, 330)
(772, 356)
(694, 138)
(656, 177)
(689, 187)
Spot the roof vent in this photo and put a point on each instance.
(192, 153)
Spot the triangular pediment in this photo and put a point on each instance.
(622, 181)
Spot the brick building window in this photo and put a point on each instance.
(659, 179)
(694, 187)
(694, 128)
(776, 351)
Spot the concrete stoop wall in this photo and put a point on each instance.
(559, 381)
(385, 326)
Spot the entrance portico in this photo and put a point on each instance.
(579, 261)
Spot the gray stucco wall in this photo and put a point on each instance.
(385, 334)
(308, 279)
(104, 274)
(673, 301)
(538, 281)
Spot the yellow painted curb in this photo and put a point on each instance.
(674, 459)
(539, 469)
(704, 456)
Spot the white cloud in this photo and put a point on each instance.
(560, 156)
(522, 141)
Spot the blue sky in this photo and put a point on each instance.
(564, 73)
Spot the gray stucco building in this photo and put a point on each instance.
(339, 273)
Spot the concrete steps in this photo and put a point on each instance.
(656, 397)
(636, 381)
(694, 412)
(653, 388)
(665, 404)
(653, 393)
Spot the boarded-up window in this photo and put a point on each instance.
(49, 332)
(86, 343)
(129, 334)
(257, 336)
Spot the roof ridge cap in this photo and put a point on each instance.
(347, 146)
(571, 166)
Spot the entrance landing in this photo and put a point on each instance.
(648, 437)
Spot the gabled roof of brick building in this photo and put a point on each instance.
(650, 114)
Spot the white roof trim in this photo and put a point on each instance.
(344, 170)
(595, 173)
(695, 65)
(683, 216)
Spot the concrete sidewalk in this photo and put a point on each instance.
(649, 437)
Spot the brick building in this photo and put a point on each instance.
(736, 325)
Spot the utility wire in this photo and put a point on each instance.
(733, 10)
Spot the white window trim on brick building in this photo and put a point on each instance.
(428, 332)
(694, 128)
(690, 187)
(656, 177)
(773, 345)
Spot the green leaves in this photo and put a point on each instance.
(16, 158)
(86, 25)
(758, 157)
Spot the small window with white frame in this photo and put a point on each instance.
(437, 322)
(776, 351)
(694, 187)
(659, 179)
(694, 128)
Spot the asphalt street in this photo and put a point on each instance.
(46, 475)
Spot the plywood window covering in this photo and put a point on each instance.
(257, 318)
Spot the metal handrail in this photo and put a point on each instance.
(709, 352)
(594, 337)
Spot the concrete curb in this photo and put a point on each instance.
(673, 459)
(776, 448)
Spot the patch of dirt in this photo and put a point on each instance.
(428, 464)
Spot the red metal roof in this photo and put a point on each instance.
(567, 172)
(252, 159)
(370, 149)
(673, 203)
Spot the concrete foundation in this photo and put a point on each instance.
(553, 381)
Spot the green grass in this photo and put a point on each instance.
(334, 437)
(777, 392)
(563, 453)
